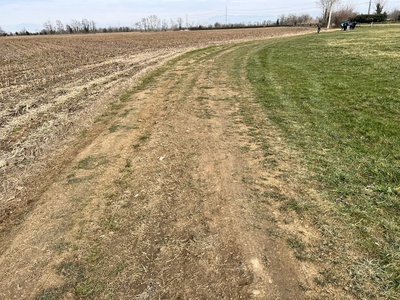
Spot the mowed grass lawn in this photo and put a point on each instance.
(336, 97)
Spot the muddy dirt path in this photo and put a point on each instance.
(167, 202)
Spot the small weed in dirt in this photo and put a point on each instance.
(73, 272)
(118, 269)
(326, 277)
(51, 293)
(62, 246)
(110, 195)
(85, 290)
(128, 163)
(122, 183)
(144, 137)
(125, 97)
(92, 162)
(125, 113)
(116, 106)
(83, 133)
(110, 223)
(298, 206)
(299, 247)
(95, 255)
(74, 180)
(274, 196)
(114, 128)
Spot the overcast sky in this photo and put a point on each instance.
(16, 15)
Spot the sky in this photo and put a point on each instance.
(16, 15)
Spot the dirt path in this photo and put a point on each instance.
(168, 202)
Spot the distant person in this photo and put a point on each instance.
(319, 27)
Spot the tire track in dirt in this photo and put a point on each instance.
(164, 204)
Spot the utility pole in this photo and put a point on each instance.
(369, 7)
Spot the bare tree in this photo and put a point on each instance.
(305, 19)
(85, 25)
(343, 14)
(173, 25)
(59, 27)
(76, 26)
(394, 15)
(291, 20)
(153, 22)
(164, 25)
(324, 6)
(180, 22)
(48, 27)
(282, 20)
(93, 27)
(69, 29)
(327, 10)
(144, 25)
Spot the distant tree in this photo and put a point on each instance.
(180, 22)
(344, 13)
(144, 24)
(69, 29)
(370, 18)
(380, 4)
(394, 15)
(23, 32)
(2, 32)
(48, 27)
(76, 26)
(282, 20)
(85, 25)
(93, 26)
(173, 25)
(154, 23)
(379, 9)
(327, 10)
(294, 20)
(164, 25)
(138, 26)
(305, 19)
(60, 27)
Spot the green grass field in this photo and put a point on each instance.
(336, 96)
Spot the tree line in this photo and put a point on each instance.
(152, 23)
(334, 14)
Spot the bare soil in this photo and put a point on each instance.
(173, 197)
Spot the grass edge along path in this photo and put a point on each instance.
(336, 98)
